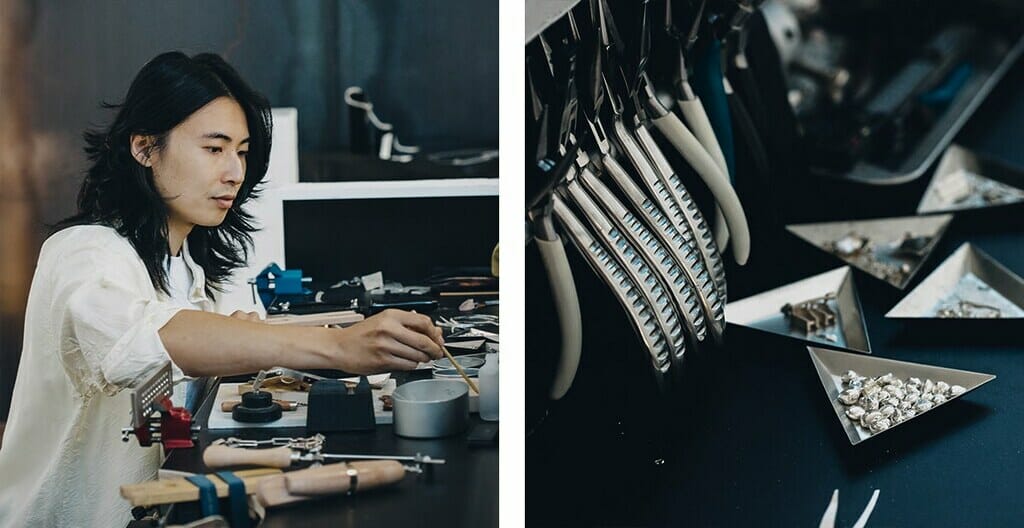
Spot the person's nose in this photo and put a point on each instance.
(235, 173)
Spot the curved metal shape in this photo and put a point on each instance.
(633, 263)
(626, 291)
(656, 252)
(677, 216)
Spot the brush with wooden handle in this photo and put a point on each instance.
(461, 372)
(458, 368)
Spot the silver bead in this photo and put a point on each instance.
(956, 390)
(886, 379)
(855, 413)
(872, 417)
(929, 386)
(939, 398)
(905, 405)
(849, 396)
(856, 383)
(914, 381)
(941, 387)
(887, 411)
(923, 405)
(849, 376)
(880, 425)
(895, 402)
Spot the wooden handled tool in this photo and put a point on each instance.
(155, 492)
(460, 371)
(332, 478)
(286, 405)
(219, 456)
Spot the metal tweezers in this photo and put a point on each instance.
(829, 519)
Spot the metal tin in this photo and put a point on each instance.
(466, 362)
(431, 408)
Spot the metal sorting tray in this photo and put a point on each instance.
(831, 365)
(764, 310)
(988, 71)
(884, 234)
(962, 277)
(964, 181)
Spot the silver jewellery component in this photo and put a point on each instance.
(962, 309)
(814, 317)
(861, 251)
(876, 404)
(916, 246)
(849, 245)
(312, 444)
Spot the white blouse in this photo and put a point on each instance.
(90, 332)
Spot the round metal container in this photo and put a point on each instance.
(431, 408)
(466, 362)
(453, 374)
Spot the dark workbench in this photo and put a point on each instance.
(749, 437)
(461, 492)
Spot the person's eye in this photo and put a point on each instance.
(243, 153)
(214, 150)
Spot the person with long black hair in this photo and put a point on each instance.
(131, 283)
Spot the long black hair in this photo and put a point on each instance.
(120, 193)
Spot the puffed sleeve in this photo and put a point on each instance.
(109, 320)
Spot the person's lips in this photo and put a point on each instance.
(225, 201)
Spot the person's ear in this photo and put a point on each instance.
(141, 149)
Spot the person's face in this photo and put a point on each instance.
(202, 165)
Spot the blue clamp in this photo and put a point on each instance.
(274, 281)
(237, 498)
(208, 502)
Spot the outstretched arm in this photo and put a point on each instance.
(209, 344)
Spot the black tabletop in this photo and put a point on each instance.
(749, 438)
(461, 492)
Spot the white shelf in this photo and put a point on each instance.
(542, 13)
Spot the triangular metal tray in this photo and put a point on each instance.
(964, 180)
(884, 234)
(764, 310)
(968, 275)
(832, 364)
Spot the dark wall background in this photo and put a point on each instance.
(430, 68)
